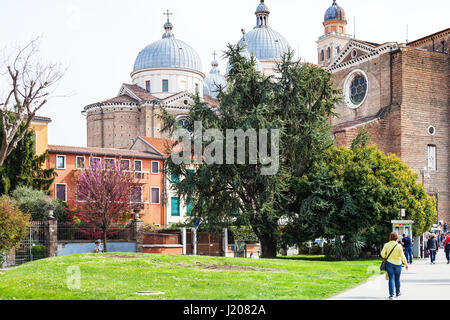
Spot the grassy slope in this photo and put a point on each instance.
(182, 278)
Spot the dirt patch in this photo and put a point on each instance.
(228, 267)
(125, 257)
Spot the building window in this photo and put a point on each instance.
(174, 178)
(356, 88)
(154, 196)
(94, 162)
(183, 122)
(138, 165)
(136, 195)
(138, 169)
(175, 207)
(61, 191)
(125, 165)
(109, 163)
(432, 130)
(80, 162)
(155, 167)
(432, 165)
(189, 208)
(147, 86)
(322, 55)
(165, 85)
(60, 162)
(328, 53)
(196, 88)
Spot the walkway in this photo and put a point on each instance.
(422, 281)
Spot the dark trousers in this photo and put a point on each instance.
(447, 254)
(433, 255)
(394, 272)
(409, 255)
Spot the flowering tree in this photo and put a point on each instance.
(104, 196)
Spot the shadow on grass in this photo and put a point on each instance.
(323, 258)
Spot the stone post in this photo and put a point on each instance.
(416, 247)
(183, 239)
(10, 258)
(225, 241)
(138, 229)
(51, 236)
(194, 241)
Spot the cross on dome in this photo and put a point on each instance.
(168, 26)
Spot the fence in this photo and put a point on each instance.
(73, 232)
(33, 247)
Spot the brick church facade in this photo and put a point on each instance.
(399, 93)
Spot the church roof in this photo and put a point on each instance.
(335, 12)
(159, 145)
(213, 102)
(141, 93)
(121, 99)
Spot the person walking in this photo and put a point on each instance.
(447, 248)
(407, 244)
(393, 252)
(433, 247)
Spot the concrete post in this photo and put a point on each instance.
(194, 241)
(416, 247)
(10, 258)
(51, 236)
(183, 239)
(139, 235)
(225, 241)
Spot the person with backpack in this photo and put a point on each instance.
(433, 247)
(407, 244)
(394, 257)
(447, 248)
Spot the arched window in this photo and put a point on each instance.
(328, 53)
(322, 56)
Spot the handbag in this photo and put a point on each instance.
(383, 264)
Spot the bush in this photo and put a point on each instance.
(242, 233)
(316, 250)
(13, 224)
(345, 250)
(38, 251)
(37, 203)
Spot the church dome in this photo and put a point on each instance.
(245, 52)
(264, 42)
(168, 53)
(213, 81)
(335, 13)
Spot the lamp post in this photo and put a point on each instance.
(51, 210)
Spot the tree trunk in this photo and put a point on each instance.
(268, 247)
(105, 248)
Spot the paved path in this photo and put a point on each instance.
(422, 281)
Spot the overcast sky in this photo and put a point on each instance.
(98, 40)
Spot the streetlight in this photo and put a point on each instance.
(51, 209)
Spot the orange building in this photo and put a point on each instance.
(148, 168)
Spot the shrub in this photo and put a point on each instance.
(38, 251)
(243, 233)
(345, 250)
(37, 203)
(13, 224)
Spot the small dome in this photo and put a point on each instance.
(335, 13)
(168, 53)
(262, 8)
(266, 43)
(213, 81)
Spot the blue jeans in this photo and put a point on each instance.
(409, 255)
(394, 272)
(433, 255)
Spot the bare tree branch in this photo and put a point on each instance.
(31, 83)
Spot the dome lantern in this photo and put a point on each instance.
(262, 15)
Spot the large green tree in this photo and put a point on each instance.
(297, 102)
(355, 193)
(24, 168)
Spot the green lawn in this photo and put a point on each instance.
(119, 276)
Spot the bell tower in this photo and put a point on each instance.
(335, 38)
